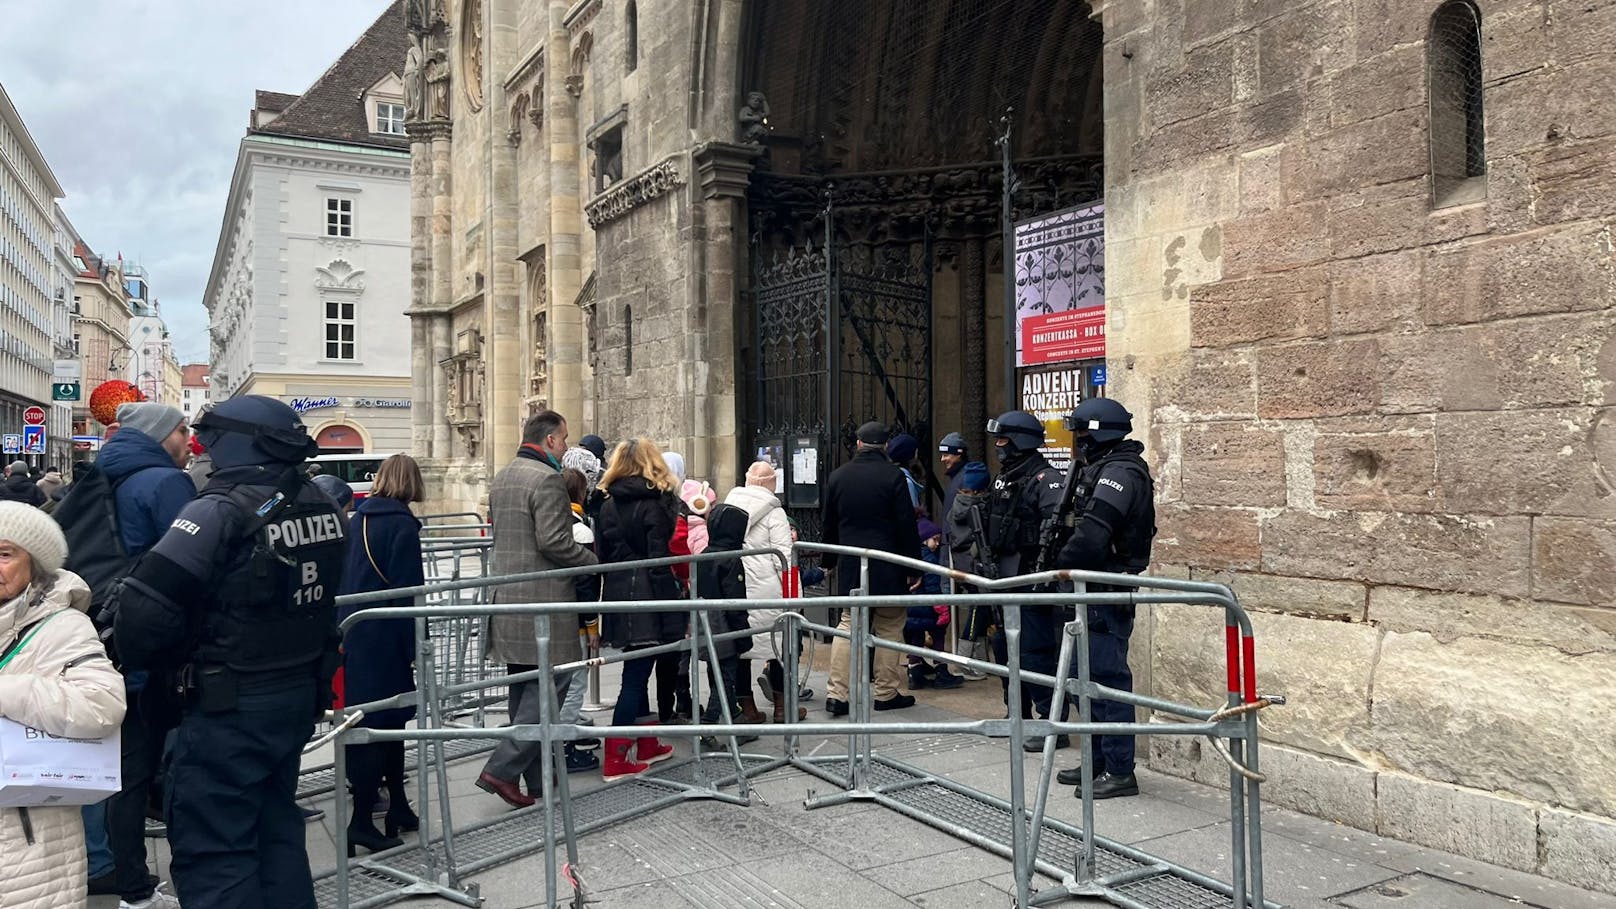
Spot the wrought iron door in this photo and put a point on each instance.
(842, 338)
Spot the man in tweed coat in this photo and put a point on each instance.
(532, 519)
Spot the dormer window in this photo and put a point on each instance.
(389, 118)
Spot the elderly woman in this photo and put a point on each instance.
(54, 676)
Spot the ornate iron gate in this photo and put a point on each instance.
(843, 337)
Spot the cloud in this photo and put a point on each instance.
(139, 106)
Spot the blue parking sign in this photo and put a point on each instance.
(33, 440)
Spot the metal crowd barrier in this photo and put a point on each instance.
(1087, 864)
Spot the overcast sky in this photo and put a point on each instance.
(139, 106)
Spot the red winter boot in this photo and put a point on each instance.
(619, 765)
(647, 750)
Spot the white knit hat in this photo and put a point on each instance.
(34, 531)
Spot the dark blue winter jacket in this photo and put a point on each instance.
(150, 489)
(384, 552)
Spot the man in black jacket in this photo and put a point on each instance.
(20, 487)
(867, 505)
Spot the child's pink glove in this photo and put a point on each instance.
(942, 615)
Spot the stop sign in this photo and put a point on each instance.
(34, 416)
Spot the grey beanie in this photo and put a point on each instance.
(151, 419)
(18, 467)
(35, 532)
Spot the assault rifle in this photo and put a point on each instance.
(1057, 528)
(982, 560)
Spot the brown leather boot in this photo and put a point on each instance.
(780, 712)
(750, 712)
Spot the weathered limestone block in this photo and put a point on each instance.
(1574, 560)
(1376, 471)
(1305, 597)
(1206, 385)
(1374, 151)
(1376, 219)
(1261, 188)
(1411, 376)
(1576, 848)
(1375, 86)
(1317, 379)
(1233, 464)
(1269, 307)
(1202, 536)
(1336, 790)
(1442, 552)
(1543, 271)
(1574, 180)
(1497, 717)
(1540, 362)
(1479, 825)
(1323, 668)
(1202, 81)
(1284, 237)
(1302, 44)
(1451, 616)
(1581, 30)
(1385, 24)
(1522, 462)
(1375, 293)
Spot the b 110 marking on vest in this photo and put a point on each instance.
(312, 590)
(305, 531)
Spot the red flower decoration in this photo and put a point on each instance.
(109, 396)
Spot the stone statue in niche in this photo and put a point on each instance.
(436, 73)
(413, 84)
(754, 119)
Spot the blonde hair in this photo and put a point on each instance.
(639, 458)
(399, 477)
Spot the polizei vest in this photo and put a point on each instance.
(276, 607)
(1130, 544)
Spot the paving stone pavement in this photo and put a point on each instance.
(779, 855)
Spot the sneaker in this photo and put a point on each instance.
(581, 761)
(896, 702)
(946, 680)
(712, 743)
(158, 900)
(156, 829)
(972, 675)
(918, 679)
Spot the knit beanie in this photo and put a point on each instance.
(34, 531)
(595, 445)
(902, 448)
(152, 419)
(17, 467)
(762, 475)
(927, 528)
(584, 461)
(976, 477)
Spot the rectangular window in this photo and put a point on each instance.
(339, 217)
(339, 330)
(389, 118)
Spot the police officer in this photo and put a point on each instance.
(236, 605)
(1026, 492)
(1117, 497)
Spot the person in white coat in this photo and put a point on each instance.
(55, 677)
(767, 527)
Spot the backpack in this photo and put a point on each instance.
(88, 515)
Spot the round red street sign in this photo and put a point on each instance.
(34, 416)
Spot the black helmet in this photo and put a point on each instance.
(953, 443)
(1025, 431)
(1103, 419)
(254, 429)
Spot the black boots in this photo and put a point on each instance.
(400, 817)
(366, 767)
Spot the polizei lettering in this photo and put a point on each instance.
(305, 531)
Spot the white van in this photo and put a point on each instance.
(357, 470)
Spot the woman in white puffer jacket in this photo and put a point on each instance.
(767, 527)
(55, 677)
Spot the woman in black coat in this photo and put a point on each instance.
(636, 522)
(384, 552)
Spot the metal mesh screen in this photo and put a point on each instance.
(1458, 128)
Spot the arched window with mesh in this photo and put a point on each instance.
(631, 36)
(1458, 128)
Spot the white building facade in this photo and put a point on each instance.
(31, 281)
(311, 275)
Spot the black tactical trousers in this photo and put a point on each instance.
(233, 820)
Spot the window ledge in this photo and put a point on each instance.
(1462, 192)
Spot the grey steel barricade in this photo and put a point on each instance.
(1087, 864)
